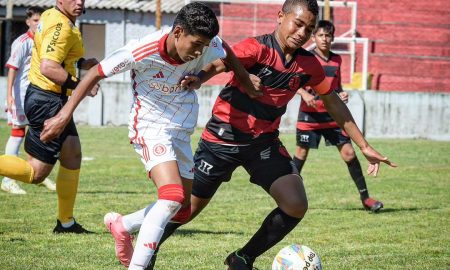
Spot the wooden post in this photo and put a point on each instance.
(158, 14)
(326, 10)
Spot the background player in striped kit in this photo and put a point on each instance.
(163, 117)
(19, 66)
(314, 121)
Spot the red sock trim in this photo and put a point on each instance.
(18, 132)
(172, 192)
(183, 215)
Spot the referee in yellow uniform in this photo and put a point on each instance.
(57, 53)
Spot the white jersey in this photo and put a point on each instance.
(160, 106)
(20, 60)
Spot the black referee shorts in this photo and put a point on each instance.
(41, 105)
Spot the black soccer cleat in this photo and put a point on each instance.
(372, 205)
(235, 261)
(75, 228)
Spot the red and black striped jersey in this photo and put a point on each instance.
(310, 118)
(239, 119)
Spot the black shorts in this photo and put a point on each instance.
(311, 138)
(41, 105)
(215, 163)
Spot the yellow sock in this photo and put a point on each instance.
(66, 188)
(16, 168)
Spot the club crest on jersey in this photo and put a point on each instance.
(294, 83)
(159, 149)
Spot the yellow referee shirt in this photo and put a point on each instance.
(57, 39)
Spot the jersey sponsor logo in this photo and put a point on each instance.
(55, 37)
(165, 88)
(294, 83)
(159, 75)
(205, 167)
(159, 149)
(120, 66)
(265, 154)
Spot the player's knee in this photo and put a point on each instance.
(183, 215)
(296, 207)
(172, 192)
(18, 132)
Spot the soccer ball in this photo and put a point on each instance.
(296, 257)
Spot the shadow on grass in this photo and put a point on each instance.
(384, 210)
(113, 192)
(189, 232)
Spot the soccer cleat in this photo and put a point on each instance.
(372, 205)
(238, 262)
(75, 228)
(122, 238)
(12, 187)
(48, 184)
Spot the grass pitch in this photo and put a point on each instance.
(411, 232)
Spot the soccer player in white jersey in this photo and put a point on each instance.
(166, 67)
(19, 65)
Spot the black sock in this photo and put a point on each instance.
(170, 228)
(274, 228)
(298, 164)
(354, 167)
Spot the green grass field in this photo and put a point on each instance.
(412, 232)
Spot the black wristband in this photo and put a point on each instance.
(80, 62)
(71, 82)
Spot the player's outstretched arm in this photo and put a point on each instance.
(341, 114)
(54, 126)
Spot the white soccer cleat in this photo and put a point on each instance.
(49, 184)
(12, 187)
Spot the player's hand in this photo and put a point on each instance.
(344, 96)
(88, 63)
(190, 82)
(374, 159)
(256, 90)
(9, 104)
(94, 90)
(53, 127)
(309, 99)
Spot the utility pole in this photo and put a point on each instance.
(8, 29)
(326, 10)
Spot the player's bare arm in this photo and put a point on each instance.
(12, 74)
(341, 114)
(55, 125)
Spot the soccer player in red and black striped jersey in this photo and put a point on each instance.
(243, 131)
(314, 121)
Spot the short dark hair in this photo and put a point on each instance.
(327, 26)
(310, 4)
(34, 10)
(197, 19)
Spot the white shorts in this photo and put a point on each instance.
(17, 117)
(154, 151)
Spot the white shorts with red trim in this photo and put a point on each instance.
(154, 151)
(16, 117)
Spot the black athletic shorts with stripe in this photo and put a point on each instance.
(41, 105)
(215, 163)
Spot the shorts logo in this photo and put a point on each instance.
(304, 138)
(159, 149)
(205, 167)
(265, 154)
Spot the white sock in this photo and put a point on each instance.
(151, 231)
(13, 146)
(132, 222)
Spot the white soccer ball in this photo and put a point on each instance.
(296, 257)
